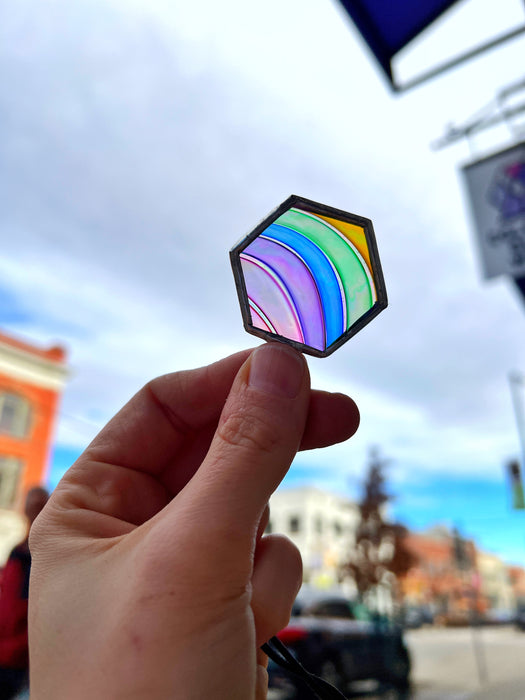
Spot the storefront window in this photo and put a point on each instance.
(10, 470)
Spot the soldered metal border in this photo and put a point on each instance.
(323, 210)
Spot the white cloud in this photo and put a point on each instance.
(142, 140)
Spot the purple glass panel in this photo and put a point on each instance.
(300, 285)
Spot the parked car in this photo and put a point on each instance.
(499, 616)
(340, 641)
(415, 616)
(454, 618)
(519, 619)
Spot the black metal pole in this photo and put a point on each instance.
(458, 60)
(520, 284)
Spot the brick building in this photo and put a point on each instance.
(31, 382)
(439, 581)
(454, 587)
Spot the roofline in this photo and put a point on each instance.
(55, 354)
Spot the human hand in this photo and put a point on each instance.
(151, 579)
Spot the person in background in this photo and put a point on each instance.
(14, 591)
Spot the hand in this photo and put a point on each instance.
(151, 579)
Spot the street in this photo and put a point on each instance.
(468, 664)
(462, 664)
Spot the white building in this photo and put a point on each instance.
(495, 582)
(322, 525)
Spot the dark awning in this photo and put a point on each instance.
(389, 25)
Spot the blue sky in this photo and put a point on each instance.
(141, 140)
(479, 508)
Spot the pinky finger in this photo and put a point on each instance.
(261, 688)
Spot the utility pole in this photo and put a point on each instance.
(465, 565)
(516, 382)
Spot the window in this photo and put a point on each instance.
(15, 415)
(10, 470)
(269, 528)
(294, 523)
(338, 528)
(318, 524)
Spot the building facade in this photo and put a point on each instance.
(444, 580)
(31, 382)
(456, 584)
(322, 525)
(495, 582)
(517, 581)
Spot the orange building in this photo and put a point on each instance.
(437, 581)
(31, 382)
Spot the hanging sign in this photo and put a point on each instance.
(496, 191)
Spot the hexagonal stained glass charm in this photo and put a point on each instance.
(309, 275)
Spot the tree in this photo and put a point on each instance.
(380, 555)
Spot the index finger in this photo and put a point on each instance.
(152, 448)
(147, 433)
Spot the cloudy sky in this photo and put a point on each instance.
(140, 139)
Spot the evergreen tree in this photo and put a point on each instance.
(381, 555)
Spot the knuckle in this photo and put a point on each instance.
(36, 536)
(249, 430)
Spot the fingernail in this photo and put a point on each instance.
(277, 369)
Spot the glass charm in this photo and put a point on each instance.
(309, 275)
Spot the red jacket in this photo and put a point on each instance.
(13, 609)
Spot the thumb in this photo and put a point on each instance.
(257, 437)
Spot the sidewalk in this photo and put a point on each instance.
(513, 690)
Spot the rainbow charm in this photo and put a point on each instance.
(309, 275)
